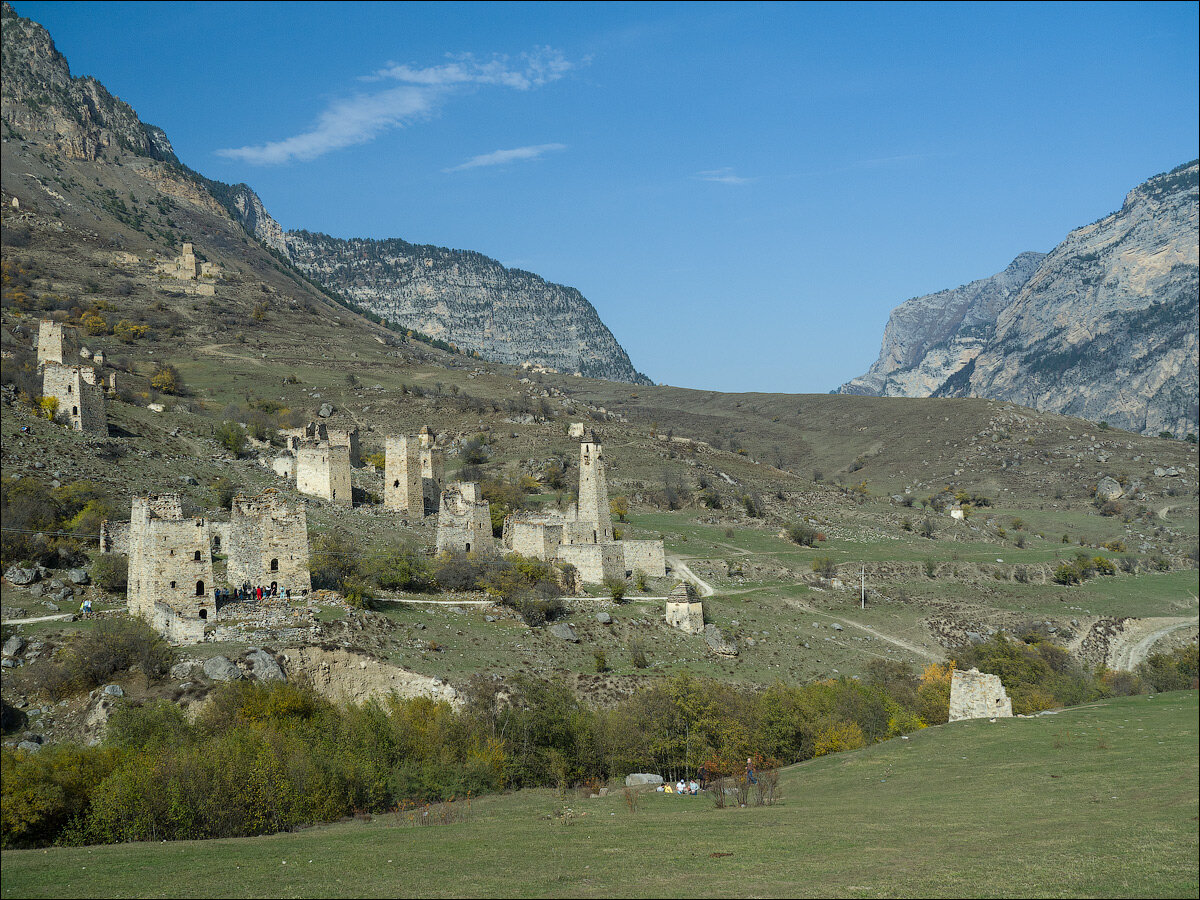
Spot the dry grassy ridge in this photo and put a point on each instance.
(1096, 801)
(270, 339)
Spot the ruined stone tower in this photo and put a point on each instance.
(977, 695)
(80, 397)
(433, 470)
(268, 543)
(57, 343)
(464, 520)
(594, 524)
(170, 567)
(403, 487)
(323, 470)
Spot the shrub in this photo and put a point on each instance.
(600, 659)
(637, 656)
(927, 529)
(616, 588)
(231, 436)
(823, 566)
(166, 380)
(129, 332)
(333, 561)
(110, 571)
(802, 533)
(1067, 574)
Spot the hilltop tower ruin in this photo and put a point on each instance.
(433, 470)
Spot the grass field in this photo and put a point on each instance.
(1094, 801)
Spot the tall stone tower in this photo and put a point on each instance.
(403, 488)
(57, 343)
(80, 397)
(433, 470)
(170, 560)
(464, 520)
(268, 542)
(594, 514)
(323, 470)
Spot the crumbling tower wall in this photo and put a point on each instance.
(403, 487)
(433, 470)
(170, 562)
(977, 695)
(57, 343)
(80, 397)
(323, 470)
(464, 520)
(268, 543)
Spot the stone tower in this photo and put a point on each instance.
(464, 520)
(80, 397)
(403, 489)
(268, 542)
(57, 343)
(433, 470)
(170, 561)
(323, 470)
(594, 525)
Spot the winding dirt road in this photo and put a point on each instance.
(1139, 637)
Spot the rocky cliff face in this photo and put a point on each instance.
(1105, 327)
(458, 296)
(76, 117)
(928, 339)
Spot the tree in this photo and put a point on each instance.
(231, 436)
(619, 507)
(166, 379)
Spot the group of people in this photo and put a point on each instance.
(682, 787)
(248, 592)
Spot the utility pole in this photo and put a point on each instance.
(863, 587)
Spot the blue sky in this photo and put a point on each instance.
(743, 191)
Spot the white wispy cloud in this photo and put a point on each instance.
(362, 116)
(500, 157)
(725, 175)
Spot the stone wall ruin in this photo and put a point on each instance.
(464, 520)
(268, 543)
(80, 397)
(323, 470)
(977, 695)
(170, 563)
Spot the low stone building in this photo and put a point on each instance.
(685, 610)
(323, 470)
(977, 695)
(80, 397)
(268, 543)
(464, 520)
(170, 568)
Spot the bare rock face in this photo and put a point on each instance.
(1103, 327)
(74, 116)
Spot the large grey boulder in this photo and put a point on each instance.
(17, 575)
(263, 666)
(113, 690)
(603, 618)
(564, 631)
(325, 411)
(220, 668)
(78, 576)
(718, 643)
(29, 746)
(1109, 489)
(639, 779)
(13, 646)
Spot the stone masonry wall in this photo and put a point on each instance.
(647, 557)
(268, 542)
(595, 562)
(57, 343)
(323, 470)
(403, 489)
(977, 695)
(80, 398)
(464, 520)
(170, 560)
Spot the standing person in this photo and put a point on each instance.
(751, 778)
(702, 775)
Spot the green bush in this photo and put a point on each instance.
(231, 436)
(803, 534)
(110, 572)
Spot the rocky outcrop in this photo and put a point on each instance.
(927, 339)
(77, 117)
(1105, 327)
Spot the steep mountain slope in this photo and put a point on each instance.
(1104, 328)
(929, 338)
(458, 296)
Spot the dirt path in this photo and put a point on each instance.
(1137, 640)
(916, 650)
(681, 568)
(30, 621)
(215, 350)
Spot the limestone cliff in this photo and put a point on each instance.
(928, 339)
(77, 117)
(1105, 327)
(458, 296)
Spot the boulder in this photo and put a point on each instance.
(13, 646)
(78, 576)
(564, 631)
(263, 666)
(114, 690)
(603, 618)
(1109, 489)
(17, 575)
(638, 779)
(325, 411)
(29, 746)
(219, 668)
(182, 670)
(718, 643)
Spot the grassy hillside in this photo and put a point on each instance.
(1094, 801)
